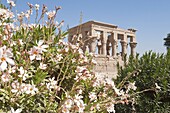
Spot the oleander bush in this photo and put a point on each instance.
(149, 70)
(42, 73)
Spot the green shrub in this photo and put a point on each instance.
(150, 70)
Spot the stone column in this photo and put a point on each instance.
(124, 47)
(99, 45)
(114, 45)
(93, 45)
(133, 46)
(104, 42)
(114, 48)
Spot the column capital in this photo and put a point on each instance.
(123, 43)
(115, 35)
(133, 44)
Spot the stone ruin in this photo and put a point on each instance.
(103, 39)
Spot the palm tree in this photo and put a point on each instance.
(167, 41)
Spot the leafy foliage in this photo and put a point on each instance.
(149, 69)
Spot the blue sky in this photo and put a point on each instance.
(150, 17)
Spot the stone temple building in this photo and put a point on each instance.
(104, 39)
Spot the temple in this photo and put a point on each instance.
(103, 40)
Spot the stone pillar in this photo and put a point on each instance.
(104, 42)
(99, 45)
(92, 31)
(124, 47)
(93, 44)
(114, 48)
(133, 46)
(114, 45)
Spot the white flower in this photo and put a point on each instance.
(31, 89)
(23, 73)
(41, 48)
(13, 43)
(12, 69)
(50, 14)
(117, 91)
(157, 86)
(68, 103)
(37, 7)
(11, 2)
(79, 103)
(110, 82)
(80, 91)
(43, 66)
(66, 49)
(15, 86)
(53, 85)
(23, 87)
(34, 54)
(20, 42)
(80, 69)
(92, 96)
(17, 111)
(81, 106)
(132, 86)
(78, 97)
(20, 16)
(5, 77)
(94, 61)
(73, 60)
(5, 57)
(59, 57)
(28, 13)
(111, 109)
(5, 14)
